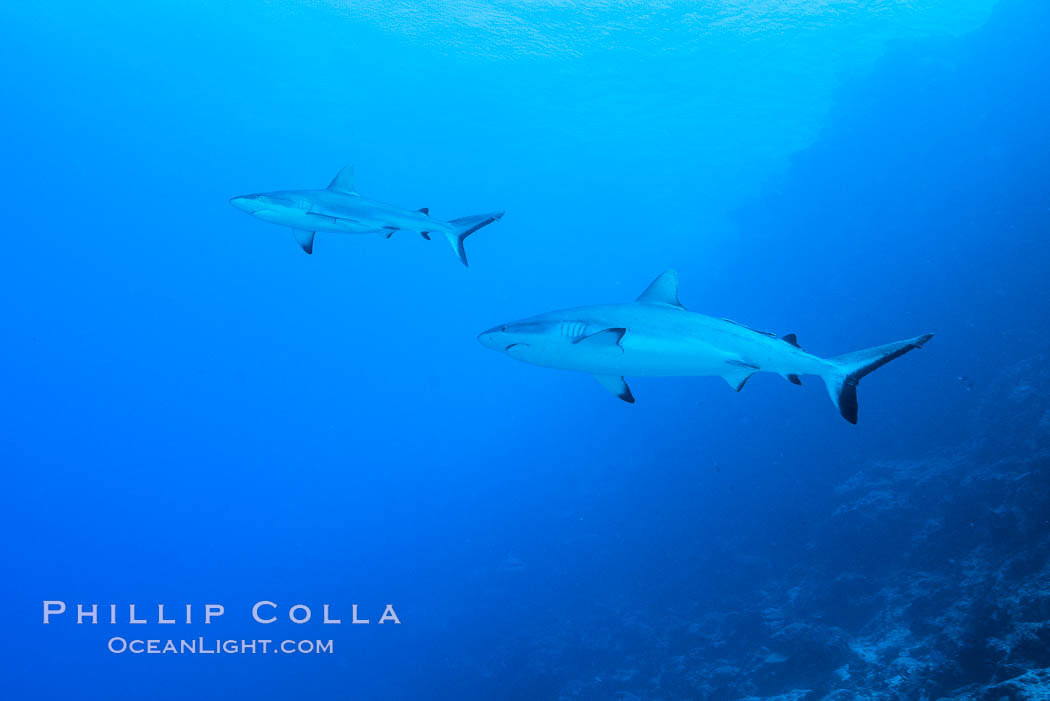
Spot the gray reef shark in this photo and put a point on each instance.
(339, 209)
(656, 336)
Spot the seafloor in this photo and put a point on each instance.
(927, 578)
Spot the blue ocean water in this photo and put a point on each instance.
(195, 412)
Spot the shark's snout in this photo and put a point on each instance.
(503, 339)
(495, 338)
(487, 339)
(247, 203)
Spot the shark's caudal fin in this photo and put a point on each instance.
(464, 227)
(846, 371)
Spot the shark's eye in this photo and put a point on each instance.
(503, 329)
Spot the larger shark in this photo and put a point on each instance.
(339, 209)
(656, 336)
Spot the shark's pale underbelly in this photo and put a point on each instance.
(648, 359)
(318, 222)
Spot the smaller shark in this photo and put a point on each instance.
(656, 336)
(339, 209)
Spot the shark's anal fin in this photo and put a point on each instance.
(344, 182)
(305, 239)
(616, 385)
(606, 338)
(737, 373)
(425, 234)
(424, 210)
(794, 379)
(663, 290)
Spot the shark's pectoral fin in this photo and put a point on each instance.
(737, 373)
(305, 239)
(616, 385)
(606, 338)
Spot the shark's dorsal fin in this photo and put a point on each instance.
(344, 182)
(616, 385)
(605, 337)
(792, 339)
(663, 290)
(305, 240)
(424, 210)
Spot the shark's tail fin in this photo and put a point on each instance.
(845, 371)
(464, 227)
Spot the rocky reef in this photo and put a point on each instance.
(929, 579)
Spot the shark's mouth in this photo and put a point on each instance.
(515, 345)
